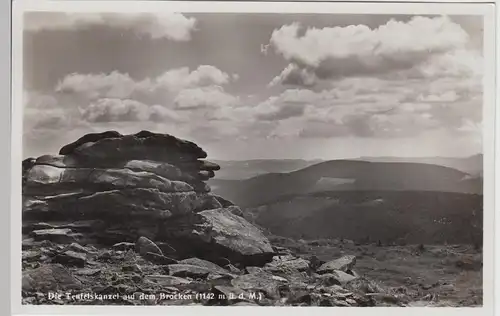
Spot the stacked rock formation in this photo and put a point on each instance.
(107, 188)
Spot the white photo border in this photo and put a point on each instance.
(490, 88)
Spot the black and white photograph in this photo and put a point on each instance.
(328, 158)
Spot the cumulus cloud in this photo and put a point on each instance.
(459, 63)
(471, 127)
(173, 96)
(120, 85)
(363, 124)
(290, 103)
(44, 117)
(371, 108)
(421, 47)
(92, 86)
(112, 110)
(204, 97)
(173, 26)
(399, 80)
(296, 76)
(180, 78)
(289, 110)
(125, 110)
(41, 111)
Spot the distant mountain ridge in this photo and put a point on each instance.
(360, 175)
(472, 164)
(245, 169)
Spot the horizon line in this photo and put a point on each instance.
(350, 158)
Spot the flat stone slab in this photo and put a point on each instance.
(344, 264)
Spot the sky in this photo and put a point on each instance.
(256, 86)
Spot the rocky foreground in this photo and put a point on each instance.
(129, 219)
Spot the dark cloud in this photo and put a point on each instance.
(337, 52)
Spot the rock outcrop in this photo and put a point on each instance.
(108, 188)
(128, 219)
